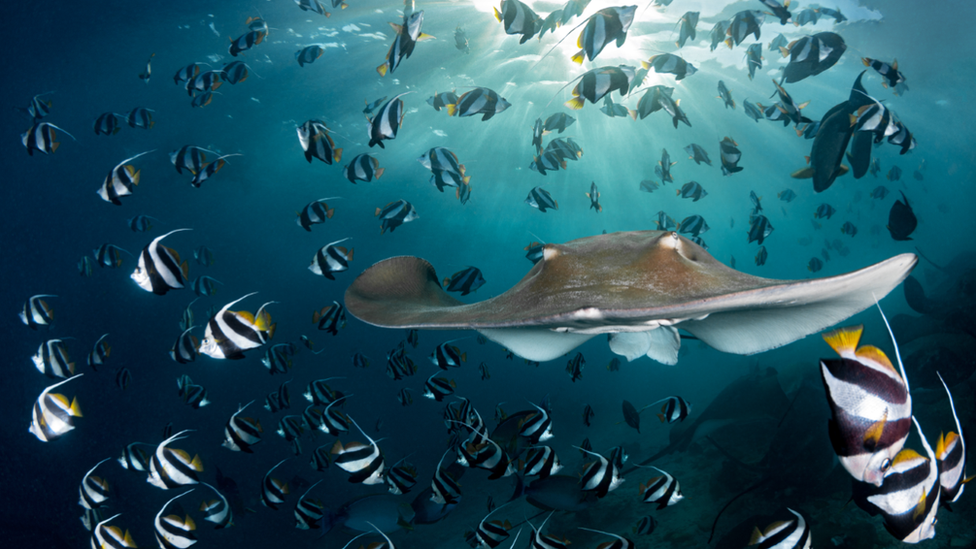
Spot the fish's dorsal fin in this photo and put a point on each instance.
(894, 342)
(844, 340)
(955, 417)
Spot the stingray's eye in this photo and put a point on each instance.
(674, 235)
(885, 465)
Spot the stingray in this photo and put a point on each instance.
(641, 286)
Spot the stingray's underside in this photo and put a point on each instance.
(640, 286)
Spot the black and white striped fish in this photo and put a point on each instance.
(319, 393)
(395, 214)
(663, 490)
(645, 526)
(951, 452)
(120, 180)
(184, 350)
(190, 158)
(38, 108)
(402, 477)
(600, 476)
(52, 415)
(596, 83)
(547, 161)
(99, 353)
(110, 537)
(230, 333)
(484, 453)
(675, 408)
(331, 259)
(37, 312)
(140, 117)
(783, 534)
(173, 532)
(314, 138)
(308, 511)
(668, 63)
(536, 427)
(277, 359)
(320, 458)
(123, 377)
(210, 170)
(309, 54)
(107, 123)
(618, 456)
(489, 535)
(386, 123)
(444, 488)
(447, 356)
(134, 457)
(870, 403)
(241, 433)
(363, 168)
(290, 427)
(170, 468)
(437, 388)
(313, 417)
(518, 18)
(218, 510)
(51, 359)
(331, 318)
(160, 269)
(93, 491)
(108, 255)
(540, 199)
(278, 400)
(574, 367)
(273, 491)
(315, 212)
(404, 42)
(192, 394)
(542, 461)
(909, 498)
(42, 137)
(603, 27)
(404, 397)
(203, 286)
(364, 462)
(588, 414)
(464, 281)
(480, 100)
(334, 422)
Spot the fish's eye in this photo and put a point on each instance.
(885, 465)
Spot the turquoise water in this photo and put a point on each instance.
(90, 58)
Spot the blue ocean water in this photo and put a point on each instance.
(89, 57)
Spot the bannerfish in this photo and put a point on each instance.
(870, 404)
(159, 269)
(386, 123)
(42, 137)
(596, 83)
(516, 18)
(230, 333)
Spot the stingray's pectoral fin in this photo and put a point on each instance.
(538, 344)
(758, 320)
(660, 344)
(400, 292)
